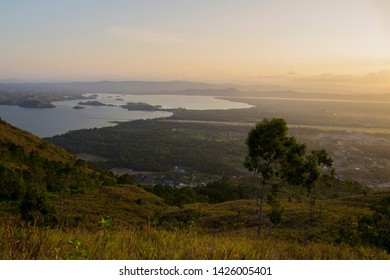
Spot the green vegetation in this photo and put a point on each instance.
(55, 206)
(276, 160)
(150, 145)
(139, 225)
(219, 148)
(370, 229)
(34, 173)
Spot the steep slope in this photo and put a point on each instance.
(29, 143)
(43, 184)
(33, 172)
(28, 162)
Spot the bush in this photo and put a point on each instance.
(373, 229)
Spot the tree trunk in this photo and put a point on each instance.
(311, 209)
(260, 201)
(310, 218)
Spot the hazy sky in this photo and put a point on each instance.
(326, 45)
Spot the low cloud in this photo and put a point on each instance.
(373, 77)
(143, 35)
(372, 82)
(289, 74)
(379, 77)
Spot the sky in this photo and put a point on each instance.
(322, 45)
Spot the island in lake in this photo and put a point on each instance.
(94, 103)
(27, 101)
(140, 106)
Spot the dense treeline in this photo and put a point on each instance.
(160, 146)
(221, 190)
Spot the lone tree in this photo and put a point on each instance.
(276, 160)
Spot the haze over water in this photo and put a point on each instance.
(52, 121)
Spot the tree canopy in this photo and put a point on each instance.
(277, 160)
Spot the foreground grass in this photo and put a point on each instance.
(25, 243)
(126, 222)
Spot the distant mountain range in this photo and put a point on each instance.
(133, 87)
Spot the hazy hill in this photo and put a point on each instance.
(108, 86)
(53, 90)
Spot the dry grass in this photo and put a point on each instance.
(149, 243)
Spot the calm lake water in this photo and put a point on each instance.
(53, 121)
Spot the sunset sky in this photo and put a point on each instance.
(323, 45)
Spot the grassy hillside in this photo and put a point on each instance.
(29, 143)
(126, 222)
(55, 206)
(34, 173)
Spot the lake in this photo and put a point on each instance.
(53, 121)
